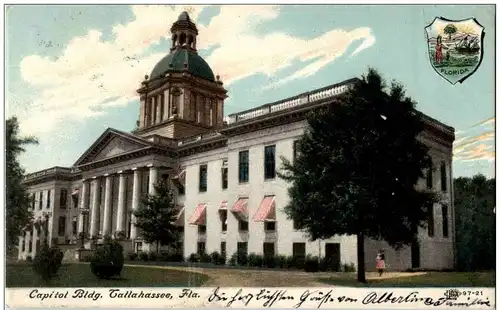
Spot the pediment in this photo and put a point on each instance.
(111, 143)
(116, 146)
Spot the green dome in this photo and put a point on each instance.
(181, 60)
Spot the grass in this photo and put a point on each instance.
(79, 275)
(430, 279)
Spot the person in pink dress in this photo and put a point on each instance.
(439, 51)
(380, 262)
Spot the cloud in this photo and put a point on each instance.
(477, 143)
(92, 74)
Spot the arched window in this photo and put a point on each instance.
(182, 39)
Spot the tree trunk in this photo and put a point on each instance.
(361, 258)
(158, 247)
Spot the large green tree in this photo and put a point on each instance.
(475, 223)
(156, 217)
(357, 166)
(17, 215)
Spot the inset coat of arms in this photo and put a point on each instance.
(455, 47)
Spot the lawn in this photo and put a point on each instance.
(79, 275)
(430, 279)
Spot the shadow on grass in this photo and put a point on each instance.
(79, 275)
(431, 279)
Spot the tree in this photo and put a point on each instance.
(475, 223)
(449, 30)
(17, 199)
(156, 216)
(357, 166)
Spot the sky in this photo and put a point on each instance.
(72, 71)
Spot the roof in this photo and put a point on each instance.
(181, 60)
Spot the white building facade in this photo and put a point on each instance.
(222, 172)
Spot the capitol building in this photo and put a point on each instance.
(222, 170)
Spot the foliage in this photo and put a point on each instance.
(242, 258)
(255, 260)
(47, 262)
(132, 256)
(357, 166)
(450, 29)
(311, 264)
(144, 256)
(152, 256)
(17, 200)
(29, 258)
(233, 260)
(156, 216)
(194, 258)
(108, 260)
(348, 267)
(475, 223)
(270, 261)
(217, 259)
(205, 258)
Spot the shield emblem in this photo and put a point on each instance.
(455, 47)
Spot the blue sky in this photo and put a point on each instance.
(68, 79)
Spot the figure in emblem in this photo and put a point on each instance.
(439, 50)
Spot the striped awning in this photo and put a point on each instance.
(180, 177)
(267, 210)
(199, 216)
(223, 205)
(180, 218)
(240, 209)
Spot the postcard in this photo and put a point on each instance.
(250, 156)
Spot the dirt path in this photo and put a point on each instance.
(267, 278)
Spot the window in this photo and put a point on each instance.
(74, 226)
(429, 177)
(62, 226)
(33, 201)
(242, 248)
(75, 200)
(223, 219)
(181, 189)
(30, 246)
(200, 248)
(224, 173)
(40, 202)
(295, 145)
(129, 225)
(48, 199)
(269, 226)
(203, 178)
(63, 198)
(138, 246)
(268, 249)
(147, 184)
(299, 249)
(444, 184)
(243, 167)
(223, 249)
(242, 225)
(270, 162)
(202, 229)
(23, 245)
(444, 212)
(430, 221)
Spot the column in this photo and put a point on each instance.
(34, 238)
(108, 206)
(165, 105)
(152, 110)
(153, 179)
(136, 192)
(120, 217)
(84, 202)
(158, 106)
(94, 221)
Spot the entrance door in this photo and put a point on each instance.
(332, 256)
(415, 254)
